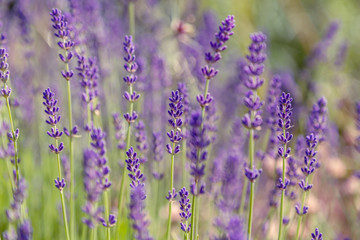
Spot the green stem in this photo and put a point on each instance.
(62, 194)
(251, 199)
(171, 188)
(16, 157)
(301, 208)
(132, 19)
(193, 210)
(107, 212)
(282, 191)
(72, 180)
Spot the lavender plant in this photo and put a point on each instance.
(284, 124)
(175, 121)
(62, 31)
(253, 119)
(131, 96)
(305, 184)
(52, 110)
(208, 72)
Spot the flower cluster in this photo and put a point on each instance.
(52, 110)
(133, 165)
(93, 187)
(62, 31)
(254, 69)
(141, 141)
(185, 207)
(198, 141)
(158, 151)
(119, 131)
(284, 124)
(4, 66)
(317, 122)
(131, 67)
(88, 74)
(175, 122)
(272, 110)
(98, 144)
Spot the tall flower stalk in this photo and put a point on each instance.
(185, 213)
(208, 72)
(137, 196)
(52, 110)
(131, 96)
(307, 170)
(284, 124)
(5, 92)
(175, 121)
(252, 120)
(62, 32)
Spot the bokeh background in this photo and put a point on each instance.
(312, 45)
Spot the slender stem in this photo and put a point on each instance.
(132, 19)
(72, 180)
(251, 199)
(282, 191)
(123, 178)
(171, 188)
(193, 210)
(16, 157)
(183, 160)
(302, 206)
(62, 194)
(107, 212)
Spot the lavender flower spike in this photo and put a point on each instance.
(185, 213)
(284, 124)
(175, 122)
(137, 197)
(62, 31)
(52, 110)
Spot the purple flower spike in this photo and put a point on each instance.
(316, 235)
(283, 185)
(185, 208)
(256, 58)
(175, 112)
(111, 222)
(137, 215)
(133, 165)
(63, 32)
(317, 122)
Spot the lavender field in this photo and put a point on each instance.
(169, 120)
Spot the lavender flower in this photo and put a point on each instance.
(141, 140)
(137, 215)
(317, 122)
(316, 235)
(272, 110)
(119, 131)
(185, 207)
(284, 124)
(62, 31)
(131, 67)
(158, 151)
(198, 141)
(88, 74)
(52, 110)
(137, 196)
(93, 187)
